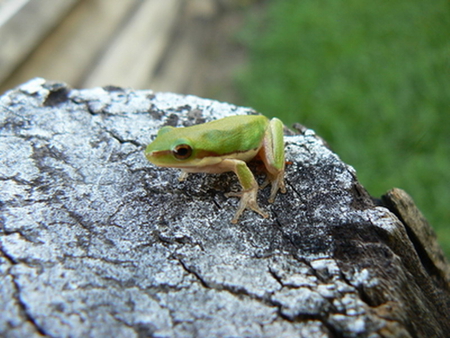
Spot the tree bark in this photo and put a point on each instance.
(96, 242)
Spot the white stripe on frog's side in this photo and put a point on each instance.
(211, 164)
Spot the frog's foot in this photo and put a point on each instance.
(248, 201)
(277, 183)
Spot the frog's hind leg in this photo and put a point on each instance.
(272, 154)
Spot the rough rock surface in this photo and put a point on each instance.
(96, 242)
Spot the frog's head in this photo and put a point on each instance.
(168, 150)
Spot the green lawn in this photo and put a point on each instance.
(372, 78)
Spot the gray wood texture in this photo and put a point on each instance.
(96, 242)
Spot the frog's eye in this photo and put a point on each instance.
(182, 151)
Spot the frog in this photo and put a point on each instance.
(226, 145)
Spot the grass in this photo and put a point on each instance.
(372, 78)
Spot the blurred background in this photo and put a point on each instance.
(371, 77)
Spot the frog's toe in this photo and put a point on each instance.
(248, 201)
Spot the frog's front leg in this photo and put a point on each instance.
(183, 176)
(249, 187)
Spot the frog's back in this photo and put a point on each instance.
(230, 134)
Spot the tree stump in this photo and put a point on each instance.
(97, 242)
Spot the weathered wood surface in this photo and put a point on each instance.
(97, 242)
